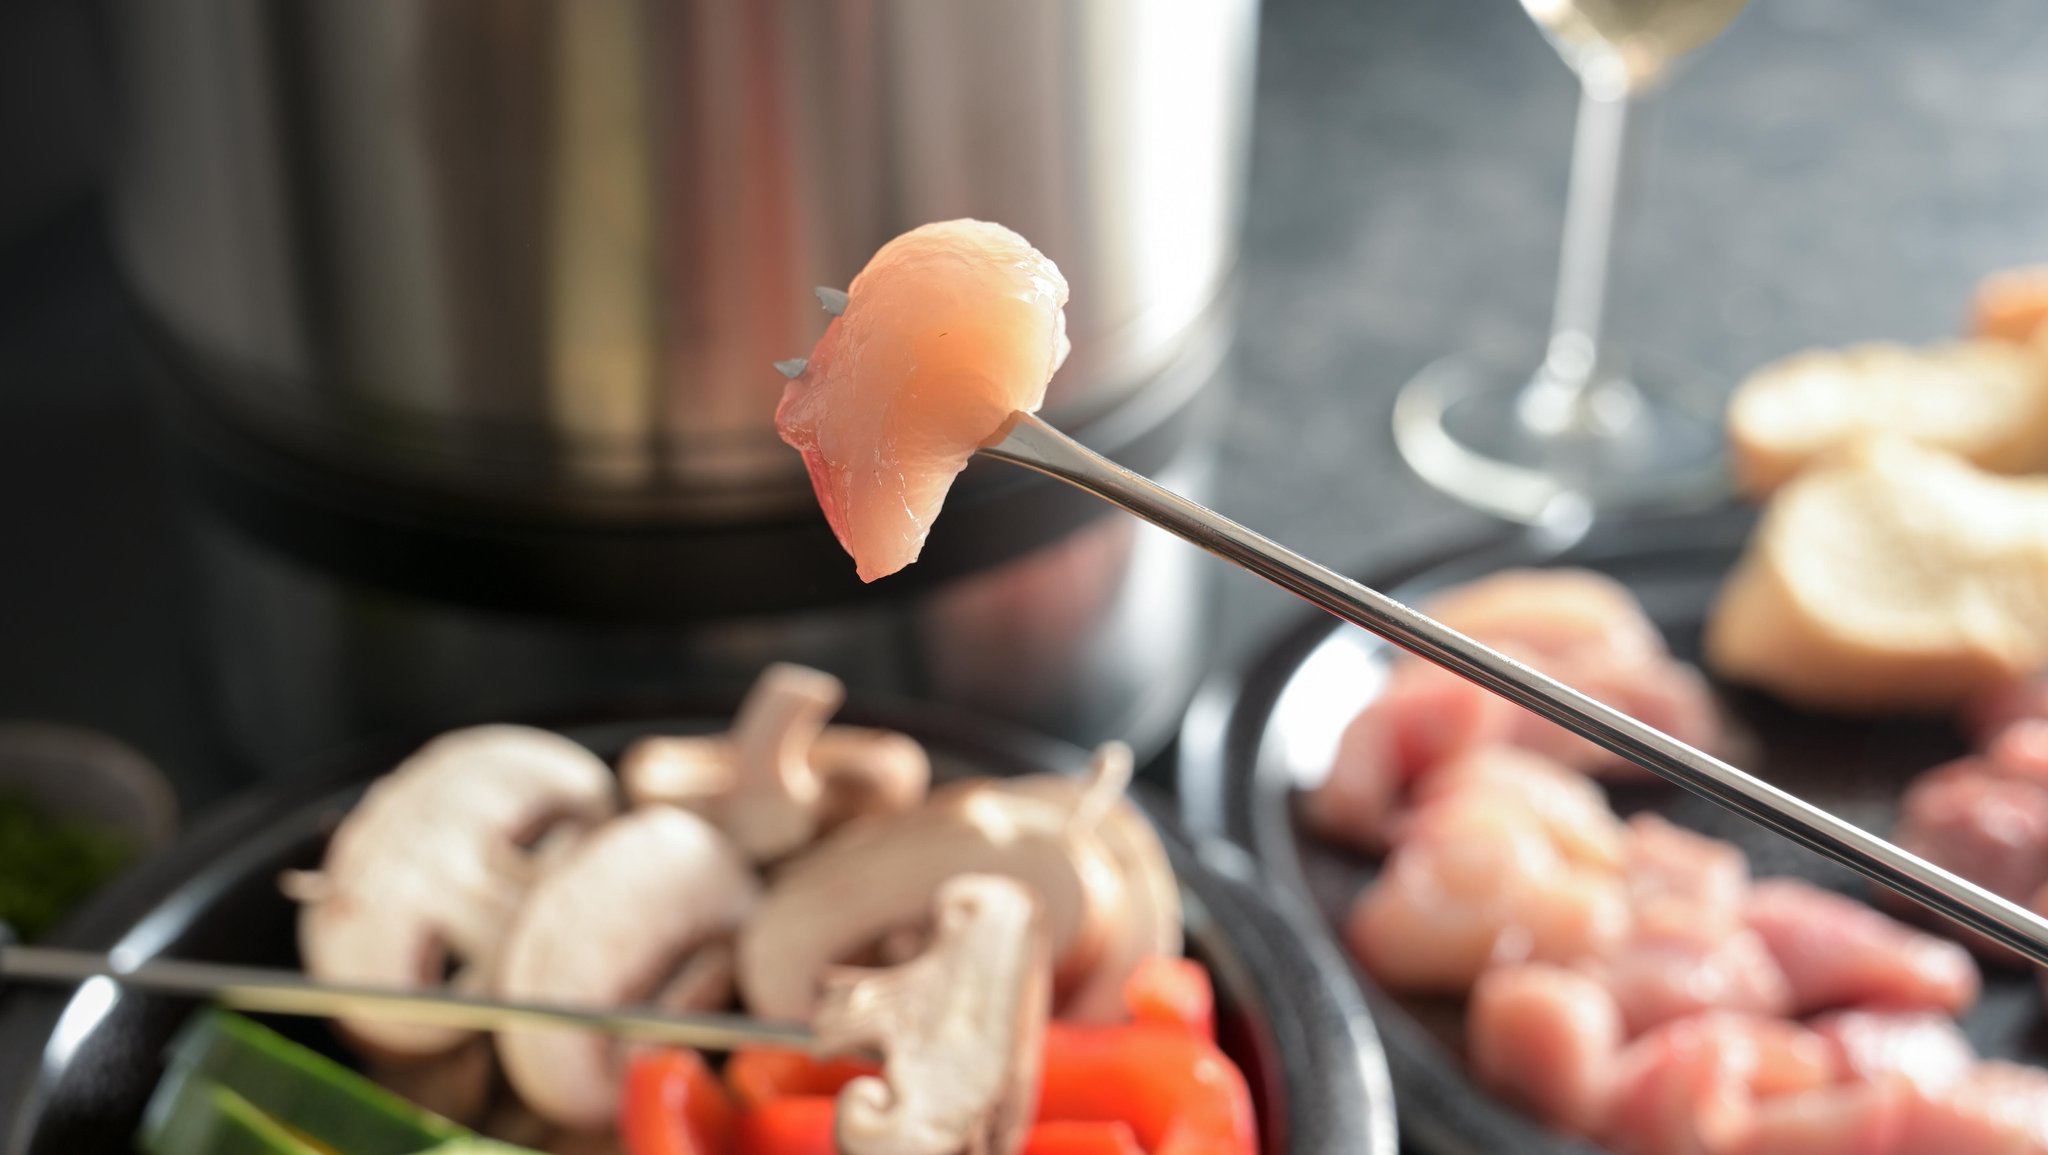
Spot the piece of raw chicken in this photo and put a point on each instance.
(1480, 881)
(1588, 631)
(1570, 807)
(1924, 1048)
(1691, 1087)
(1682, 872)
(1992, 1108)
(1578, 626)
(1843, 1119)
(1989, 713)
(1839, 952)
(1969, 817)
(1687, 950)
(1985, 816)
(1425, 717)
(1670, 968)
(950, 329)
(2000, 1109)
(1544, 1038)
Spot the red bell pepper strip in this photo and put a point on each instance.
(763, 1074)
(799, 1125)
(1074, 1137)
(1179, 1093)
(673, 1105)
(1172, 992)
(803, 1125)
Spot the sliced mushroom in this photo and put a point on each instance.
(877, 877)
(609, 925)
(781, 777)
(423, 877)
(706, 980)
(868, 771)
(1151, 921)
(960, 1028)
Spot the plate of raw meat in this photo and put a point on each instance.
(1565, 954)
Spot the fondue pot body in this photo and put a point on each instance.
(464, 310)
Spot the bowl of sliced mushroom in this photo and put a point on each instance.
(983, 940)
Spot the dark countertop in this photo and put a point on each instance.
(1831, 170)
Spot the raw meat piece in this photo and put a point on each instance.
(1440, 716)
(1552, 611)
(1688, 950)
(1989, 828)
(1668, 867)
(2000, 706)
(950, 329)
(2001, 1109)
(1690, 1086)
(1479, 883)
(1678, 967)
(2020, 750)
(1425, 716)
(1571, 808)
(1356, 799)
(1668, 695)
(1839, 952)
(1924, 1048)
(1589, 632)
(1848, 1119)
(1545, 1038)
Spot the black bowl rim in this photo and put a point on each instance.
(1279, 965)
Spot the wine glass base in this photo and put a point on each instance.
(1461, 425)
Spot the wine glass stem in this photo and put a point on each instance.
(1561, 397)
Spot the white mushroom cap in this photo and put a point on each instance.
(609, 925)
(877, 876)
(432, 863)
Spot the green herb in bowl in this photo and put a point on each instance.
(48, 864)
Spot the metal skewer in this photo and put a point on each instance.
(1035, 445)
(289, 993)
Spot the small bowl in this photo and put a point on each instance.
(76, 1067)
(71, 772)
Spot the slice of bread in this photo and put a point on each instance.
(1890, 576)
(1986, 400)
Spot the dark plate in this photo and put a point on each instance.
(1250, 739)
(77, 1067)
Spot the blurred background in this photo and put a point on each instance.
(336, 397)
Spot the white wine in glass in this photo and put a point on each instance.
(1577, 433)
(1646, 36)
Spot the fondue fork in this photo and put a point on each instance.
(1030, 442)
(284, 992)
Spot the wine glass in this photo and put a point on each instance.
(1579, 434)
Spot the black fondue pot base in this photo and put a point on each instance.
(76, 1068)
(1253, 738)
